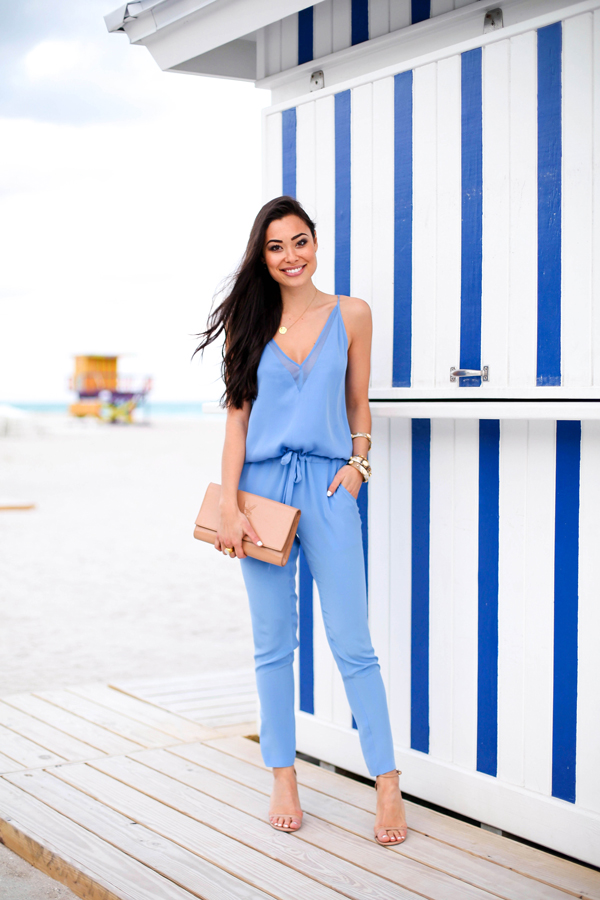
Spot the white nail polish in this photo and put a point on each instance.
(259, 543)
(329, 493)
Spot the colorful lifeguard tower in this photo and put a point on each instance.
(103, 393)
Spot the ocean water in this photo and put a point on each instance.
(145, 412)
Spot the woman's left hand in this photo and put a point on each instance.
(350, 477)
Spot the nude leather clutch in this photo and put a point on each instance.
(275, 523)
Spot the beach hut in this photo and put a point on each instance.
(102, 392)
(450, 152)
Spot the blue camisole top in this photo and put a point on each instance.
(302, 407)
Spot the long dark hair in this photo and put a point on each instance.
(250, 313)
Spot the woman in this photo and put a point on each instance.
(296, 370)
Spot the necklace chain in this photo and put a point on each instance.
(282, 329)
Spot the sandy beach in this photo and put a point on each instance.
(103, 579)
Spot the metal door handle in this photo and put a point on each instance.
(468, 373)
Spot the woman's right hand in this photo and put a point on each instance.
(233, 526)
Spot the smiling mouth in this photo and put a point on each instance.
(293, 272)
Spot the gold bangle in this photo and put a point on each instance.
(362, 434)
(365, 475)
(362, 462)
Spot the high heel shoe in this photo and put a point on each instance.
(295, 817)
(379, 830)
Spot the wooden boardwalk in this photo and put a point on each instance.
(149, 791)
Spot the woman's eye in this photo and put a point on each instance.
(301, 242)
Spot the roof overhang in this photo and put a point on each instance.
(203, 37)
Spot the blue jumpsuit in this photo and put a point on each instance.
(298, 438)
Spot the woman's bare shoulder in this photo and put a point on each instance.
(356, 313)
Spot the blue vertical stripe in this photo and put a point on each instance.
(421, 10)
(549, 42)
(342, 192)
(360, 21)
(487, 627)
(363, 508)
(403, 227)
(419, 665)
(472, 215)
(306, 650)
(305, 35)
(566, 599)
(288, 151)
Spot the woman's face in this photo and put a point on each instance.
(290, 252)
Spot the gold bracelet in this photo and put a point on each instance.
(365, 475)
(363, 434)
(362, 461)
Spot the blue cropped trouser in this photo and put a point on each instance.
(330, 534)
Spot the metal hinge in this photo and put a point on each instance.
(317, 80)
(492, 20)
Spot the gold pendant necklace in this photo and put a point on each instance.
(282, 329)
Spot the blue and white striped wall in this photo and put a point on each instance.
(484, 579)
(331, 25)
(460, 199)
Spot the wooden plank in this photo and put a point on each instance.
(361, 193)
(529, 861)
(305, 164)
(379, 18)
(74, 856)
(400, 14)
(465, 590)
(183, 868)
(336, 873)
(588, 721)
(382, 300)
(200, 680)
(438, 7)
(119, 724)
(379, 547)
(341, 13)
(336, 816)
(325, 188)
(25, 752)
(440, 597)
(448, 220)
(97, 737)
(424, 225)
(322, 29)
(53, 740)
(233, 852)
(343, 839)
(496, 224)
(577, 197)
(511, 599)
(522, 296)
(7, 764)
(273, 48)
(161, 719)
(400, 576)
(539, 607)
(596, 213)
(289, 42)
(272, 160)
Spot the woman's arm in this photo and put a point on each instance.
(233, 524)
(359, 326)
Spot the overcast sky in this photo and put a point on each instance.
(126, 195)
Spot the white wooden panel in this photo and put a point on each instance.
(576, 312)
(511, 572)
(522, 295)
(306, 148)
(325, 192)
(424, 225)
(464, 632)
(273, 48)
(342, 24)
(588, 719)
(379, 18)
(496, 220)
(383, 233)
(323, 663)
(539, 606)
(400, 579)
(379, 545)
(361, 203)
(441, 601)
(459, 3)
(261, 54)
(400, 14)
(448, 220)
(273, 171)
(289, 42)
(596, 222)
(438, 7)
(322, 29)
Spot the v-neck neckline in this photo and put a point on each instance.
(314, 346)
